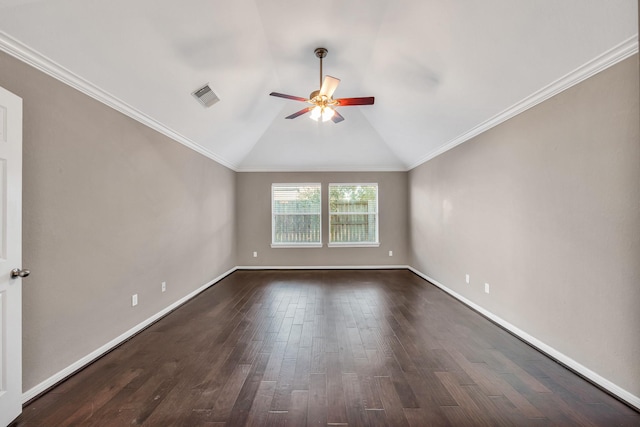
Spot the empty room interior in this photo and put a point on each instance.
(345, 213)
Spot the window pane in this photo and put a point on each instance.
(353, 228)
(353, 213)
(296, 229)
(353, 197)
(296, 199)
(296, 214)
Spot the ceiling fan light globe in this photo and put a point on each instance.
(327, 113)
(316, 113)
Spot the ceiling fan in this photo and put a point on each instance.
(323, 106)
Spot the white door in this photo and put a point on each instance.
(10, 257)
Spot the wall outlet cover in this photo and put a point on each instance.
(486, 287)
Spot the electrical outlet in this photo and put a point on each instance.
(164, 286)
(467, 278)
(255, 254)
(134, 300)
(486, 288)
(390, 253)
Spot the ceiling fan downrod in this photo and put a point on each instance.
(321, 52)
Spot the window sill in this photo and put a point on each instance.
(353, 245)
(293, 246)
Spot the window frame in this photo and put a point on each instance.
(285, 245)
(377, 216)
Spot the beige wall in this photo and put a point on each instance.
(111, 208)
(546, 209)
(254, 221)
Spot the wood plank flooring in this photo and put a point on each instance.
(325, 348)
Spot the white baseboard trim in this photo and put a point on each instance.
(612, 388)
(322, 267)
(86, 360)
(81, 363)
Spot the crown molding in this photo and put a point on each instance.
(323, 169)
(33, 58)
(600, 63)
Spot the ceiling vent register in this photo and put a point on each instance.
(206, 96)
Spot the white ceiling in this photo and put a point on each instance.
(441, 71)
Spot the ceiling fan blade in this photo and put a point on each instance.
(282, 95)
(299, 113)
(367, 100)
(337, 118)
(329, 85)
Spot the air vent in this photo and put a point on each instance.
(206, 96)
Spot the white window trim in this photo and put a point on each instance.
(294, 246)
(289, 245)
(375, 244)
(353, 245)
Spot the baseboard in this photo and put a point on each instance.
(81, 363)
(322, 267)
(614, 389)
(89, 358)
(582, 370)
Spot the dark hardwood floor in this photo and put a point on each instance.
(338, 348)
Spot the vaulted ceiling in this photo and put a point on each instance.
(441, 71)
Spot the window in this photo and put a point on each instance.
(353, 214)
(295, 215)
